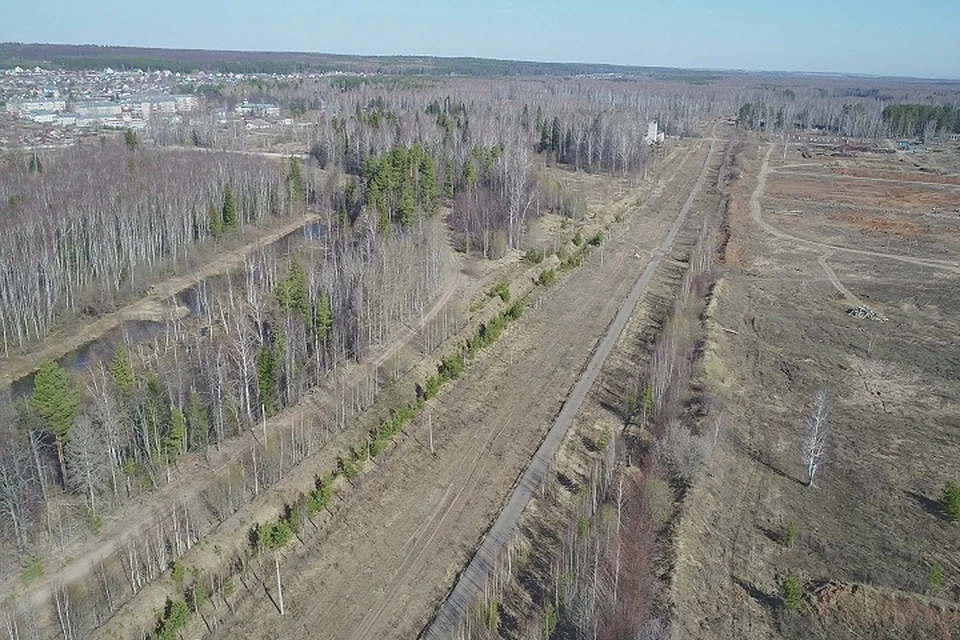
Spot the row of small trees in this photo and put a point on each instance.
(110, 433)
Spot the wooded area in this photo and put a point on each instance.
(397, 173)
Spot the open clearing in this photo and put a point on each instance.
(808, 240)
(391, 552)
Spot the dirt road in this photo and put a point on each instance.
(471, 581)
(388, 557)
(756, 213)
(136, 518)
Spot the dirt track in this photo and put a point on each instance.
(893, 390)
(471, 581)
(392, 551)
(137, 517)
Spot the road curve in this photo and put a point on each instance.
(757, 214)
(471, 580)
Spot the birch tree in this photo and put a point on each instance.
(816, 435)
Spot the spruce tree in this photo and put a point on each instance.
(230, 220)
(216, 221)
(58, 404)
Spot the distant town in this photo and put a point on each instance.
(44, 108)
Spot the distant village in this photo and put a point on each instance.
(45, 108)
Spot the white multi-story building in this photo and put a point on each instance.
(654, 134)
(25, 107)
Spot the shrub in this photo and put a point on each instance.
(547, 276)
(935, 579)
(515, 311)
(533, 256)
(597, 240)
(658, 499)
(791, 593)
(177, 572)
(175, 618)
(682, 453)
(32, 570)
(501, 289)
(578, 239)
(950, 501)
(791, 534)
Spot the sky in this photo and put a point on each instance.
(920, 38)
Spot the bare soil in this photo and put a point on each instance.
(869, 525)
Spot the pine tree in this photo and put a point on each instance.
(230, 220)
(216, 221)
(295, 181)
(177, 436)
(58, 404)
(121, 370)
(198, 421)
(267, 383)
(429, 190)
(322, 316)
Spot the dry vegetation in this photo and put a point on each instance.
(875, 554)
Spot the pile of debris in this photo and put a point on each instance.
(866, 313)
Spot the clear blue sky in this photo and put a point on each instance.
(885, 37)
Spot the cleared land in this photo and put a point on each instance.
(808, 240)
(391, 552)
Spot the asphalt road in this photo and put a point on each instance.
(473, 577)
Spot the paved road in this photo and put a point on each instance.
(471, 581)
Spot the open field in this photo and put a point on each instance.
(809, 240)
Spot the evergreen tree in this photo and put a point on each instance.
(408, 204)
(555, 133)
(216, 221)
(469, 174)
(322, 316)
(230, 220)
(295, 181)
(198, 422)
(58, 404)
(268, 366)
(429, 190)
(450, 182)
(121, 370)
(130, 139)
(175, 441)
(34, 165)
(157, 415)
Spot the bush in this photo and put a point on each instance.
(547, 276)
(935, 579)
(950, 501)
(658, 499)
(597, 240)
(791, 593)
(501, 289)
(578, 239)
(533, 256)
(32, 570)
(791, 534)
(175, 618)
(682, 453)
(177, 572)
